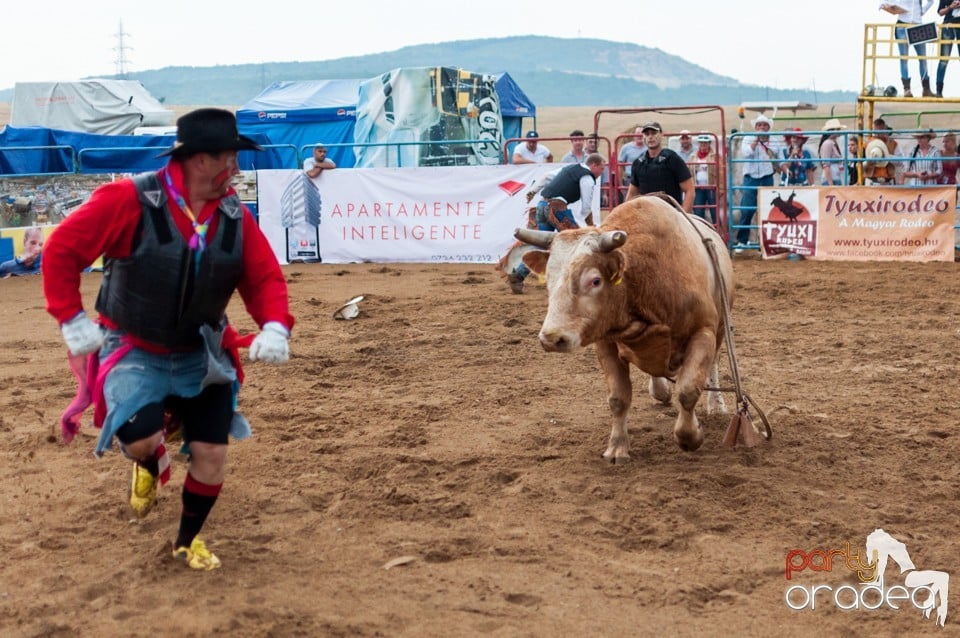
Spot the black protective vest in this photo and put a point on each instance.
(655, 174)
(154, 294)
(566, 183)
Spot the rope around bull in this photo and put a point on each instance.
(742, 397)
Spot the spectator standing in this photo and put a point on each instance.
(884, 171)
(27, 262)
(570, 184)
(576, 154)
(315, 165)
(703, 166)
(831, 157)
(760, 153)
(660, 169)
(797, 164)
(853, 152)
(910, 13)
(949, 35)
(592, 146)
(686, 149)
(629, 152)
(924, 166)
(176, 244)
(949, 160)
(531, 151)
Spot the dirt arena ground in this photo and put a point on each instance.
(433, 429)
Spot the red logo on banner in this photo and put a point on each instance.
(511, 187)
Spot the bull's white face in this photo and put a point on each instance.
(576, 287)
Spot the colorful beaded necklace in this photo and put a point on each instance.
(198, 242)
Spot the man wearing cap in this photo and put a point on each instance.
(797, 165)
(531, 151)
(315, 165)
(176, 244)
(760, 155)
(660, 169)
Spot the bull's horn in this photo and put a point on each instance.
(611, 239)
(539, 238)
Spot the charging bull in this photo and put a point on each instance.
(644, 290)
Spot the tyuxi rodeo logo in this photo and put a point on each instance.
(924, 590)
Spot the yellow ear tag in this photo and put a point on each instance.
(616, 279)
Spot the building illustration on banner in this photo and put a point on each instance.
(300, 206)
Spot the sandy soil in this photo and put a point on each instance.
(434, 427)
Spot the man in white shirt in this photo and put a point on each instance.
(315, 165)
(760, 153)
(531, 151)
(909, 13)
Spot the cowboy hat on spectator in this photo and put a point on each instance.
(833, 124)
(876, 152)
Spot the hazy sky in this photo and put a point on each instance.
(785, 44)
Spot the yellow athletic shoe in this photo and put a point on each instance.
(143, 491)
(197, 556)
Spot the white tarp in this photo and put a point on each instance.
(455, 214)
(105, 107)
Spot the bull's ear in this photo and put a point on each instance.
(619, 265)
(536, 260)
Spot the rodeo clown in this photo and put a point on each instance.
(176, 244)
(568, 185)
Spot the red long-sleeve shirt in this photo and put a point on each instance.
(106, 224)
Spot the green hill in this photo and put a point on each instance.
(551, 71)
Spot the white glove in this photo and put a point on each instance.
(270, 346)
(82, 335)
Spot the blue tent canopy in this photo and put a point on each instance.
(299, 114)
(514, 105)
(38, 150)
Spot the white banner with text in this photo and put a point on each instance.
(456, 214)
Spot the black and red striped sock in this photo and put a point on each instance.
(198, 500)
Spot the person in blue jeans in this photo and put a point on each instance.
(949, 34)
(28, 262)
(761, 155)
(910, 13)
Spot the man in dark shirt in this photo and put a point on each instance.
(660, 169)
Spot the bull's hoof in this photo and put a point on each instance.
(616, 458)
(689, 441)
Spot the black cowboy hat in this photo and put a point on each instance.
(209, 131)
